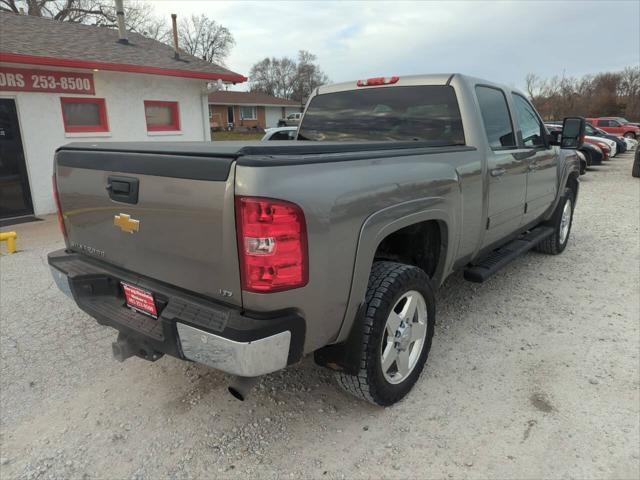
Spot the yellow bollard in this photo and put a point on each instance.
(10, 238)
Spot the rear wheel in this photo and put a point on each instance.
(398, 329)
(561, 223)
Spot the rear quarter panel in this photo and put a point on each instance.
(349, 207)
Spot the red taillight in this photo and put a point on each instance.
(56, 197)
(371, 82)
(272, 244)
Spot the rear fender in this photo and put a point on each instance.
(380, 225)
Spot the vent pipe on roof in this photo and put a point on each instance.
(174, 24)
(122, 30)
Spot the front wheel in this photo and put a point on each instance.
(398, 329)
(561, 222)
(630, 135)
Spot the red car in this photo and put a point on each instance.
(606, 151)
(615, 126)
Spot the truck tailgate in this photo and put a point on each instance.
(181, 228)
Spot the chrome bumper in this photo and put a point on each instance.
(245, 359)
(62, 282)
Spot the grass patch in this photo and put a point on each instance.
(221, 136)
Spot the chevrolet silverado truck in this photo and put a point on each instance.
(247, 256)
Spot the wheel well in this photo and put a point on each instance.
(419, 244)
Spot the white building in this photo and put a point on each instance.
(63, 82)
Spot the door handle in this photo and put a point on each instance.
(498, 172)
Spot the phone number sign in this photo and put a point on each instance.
(32, 80)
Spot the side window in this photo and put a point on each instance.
(84, 114)
(280, 136)
(603, 123)
(614, 123)
(532, 131)
(497, 120)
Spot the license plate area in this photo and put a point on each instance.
(139, 300)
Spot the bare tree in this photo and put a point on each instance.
(604, 94)
(274, 76)
(203, 37)
(139, 17)
(286, 78)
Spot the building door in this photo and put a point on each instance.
(230, 115)
(15, 195)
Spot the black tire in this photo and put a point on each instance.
(635, 170)
(583, 167)
(388, 282)
(553, 244)
(630, 135)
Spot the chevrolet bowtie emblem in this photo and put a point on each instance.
(126, 223)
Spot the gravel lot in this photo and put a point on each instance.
(533, 374)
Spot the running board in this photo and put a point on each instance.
(500, 257)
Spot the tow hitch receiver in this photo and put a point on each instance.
(125, 347)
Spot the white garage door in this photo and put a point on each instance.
(273, 114)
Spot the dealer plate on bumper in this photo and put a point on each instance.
(139, 300)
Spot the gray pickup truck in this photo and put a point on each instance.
(247, 256)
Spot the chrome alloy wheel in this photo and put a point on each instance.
(404, 337)
(565, 221)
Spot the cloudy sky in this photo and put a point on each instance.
(500, 41)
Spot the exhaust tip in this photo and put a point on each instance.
(236, 394)
(241, 387)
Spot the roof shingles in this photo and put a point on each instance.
(28, 39)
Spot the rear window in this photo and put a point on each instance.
(425, 113)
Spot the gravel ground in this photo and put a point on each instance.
(533, 374)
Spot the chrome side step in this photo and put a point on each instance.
(481, 271)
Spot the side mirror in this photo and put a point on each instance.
(572, 132)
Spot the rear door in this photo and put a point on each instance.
(542, 159)
(507, 171)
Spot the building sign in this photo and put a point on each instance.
(31, 80)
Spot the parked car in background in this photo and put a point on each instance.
(632, 143)
(620, 142)
(609, 147)
(592, 154)
(583, 162)
(624, 120)
(600, 143)
(280, 133)
(293, 119)
(614, 126)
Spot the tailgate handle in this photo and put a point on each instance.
(123, 189)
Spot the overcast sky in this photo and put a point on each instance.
(500, 41)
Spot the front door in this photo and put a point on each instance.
(507, 172)
(15, 195)
(542, 160)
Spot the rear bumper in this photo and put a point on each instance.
(188, 326)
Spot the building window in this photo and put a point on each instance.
(84, 115)
(161, 116)
(248, 113)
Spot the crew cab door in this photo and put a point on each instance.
(541, 158)
(507, 171)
